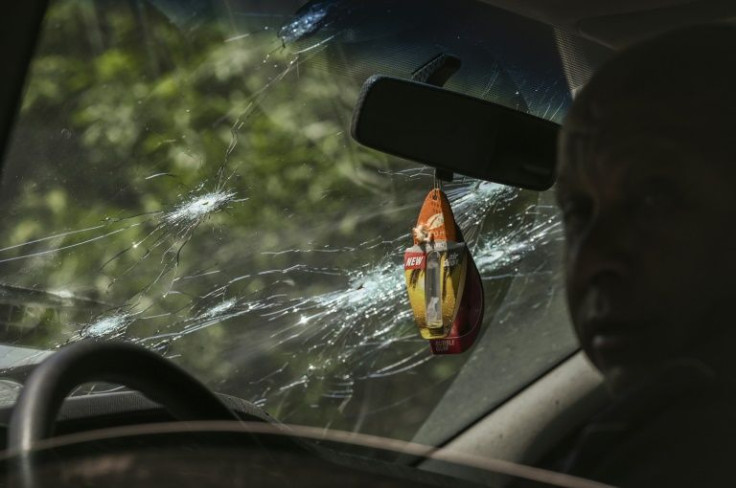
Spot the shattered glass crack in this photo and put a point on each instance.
(223, 217)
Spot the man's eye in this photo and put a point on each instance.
(655, 200)
(576, 211)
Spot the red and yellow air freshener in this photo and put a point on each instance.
(435, 268)
(445, 289)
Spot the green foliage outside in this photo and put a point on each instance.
(126, 119)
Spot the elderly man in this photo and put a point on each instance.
(647, 187)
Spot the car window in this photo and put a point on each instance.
(182, 176)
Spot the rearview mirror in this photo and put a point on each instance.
(456, 133)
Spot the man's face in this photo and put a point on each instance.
(650, 248)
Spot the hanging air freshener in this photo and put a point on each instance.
(445, 290)
(435, 268)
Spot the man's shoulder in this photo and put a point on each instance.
(690, 443)
(675, 433)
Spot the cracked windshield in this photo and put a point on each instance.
(182, 176)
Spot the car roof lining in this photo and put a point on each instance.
(617, 23)
(567, 12)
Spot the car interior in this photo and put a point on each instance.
(515, 400)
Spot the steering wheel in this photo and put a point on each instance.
(122, 363)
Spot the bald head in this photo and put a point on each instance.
(647, 187)
(679, 85)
